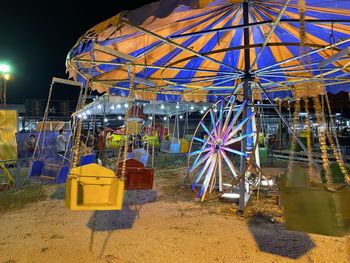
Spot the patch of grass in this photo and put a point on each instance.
(20, 198)
(169, 161)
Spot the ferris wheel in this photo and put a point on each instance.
(216, 159)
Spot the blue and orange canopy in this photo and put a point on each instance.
(193, 50)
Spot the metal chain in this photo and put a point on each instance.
(293, 140)
(131, 72)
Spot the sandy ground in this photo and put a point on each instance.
(168, 226)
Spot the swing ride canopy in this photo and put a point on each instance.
(193, 50)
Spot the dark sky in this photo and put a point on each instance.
(37, 35)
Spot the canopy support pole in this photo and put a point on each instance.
(246, 93)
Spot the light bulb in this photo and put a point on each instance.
(162, 107)
(126, 105)
(119, 106)
(105, 120)
(181, 117)
(112, 108)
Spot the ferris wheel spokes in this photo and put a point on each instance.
(239, 126)
(202, 160)
(214, 165)
(234, 151)
(238, 113)
(228, 116)
(239, 138)
(202, 171)
(229, 163)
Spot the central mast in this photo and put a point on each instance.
(246, 144)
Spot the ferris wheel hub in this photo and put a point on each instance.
(218, 143)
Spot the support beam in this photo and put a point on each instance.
(67, 82)
(334, 58)
(101, 62)
(272, 30)
(109, 51)
(289, 128)
(257, 24)
(172, 43)
(305, 55)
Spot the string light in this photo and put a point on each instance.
(120, 117)
(162, 107)
(126, 105)
(118, 106)
(181, 117)
(105, 120)
(99, 107)
(112, 108)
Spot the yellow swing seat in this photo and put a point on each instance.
(94, 187)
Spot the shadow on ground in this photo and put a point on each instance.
(110, 221)
(122, 219)
(273, 238)
(59, 193)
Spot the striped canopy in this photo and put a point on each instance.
(193, 50)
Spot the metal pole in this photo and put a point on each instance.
(280, 125)
(5, 90)
(289, 128)
(246, 92)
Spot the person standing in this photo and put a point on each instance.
(100, 145)
(31, 144)
(61, 142)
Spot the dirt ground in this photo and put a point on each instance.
(168, 225)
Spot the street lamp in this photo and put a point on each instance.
(5, 76)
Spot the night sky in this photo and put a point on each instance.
(37, 35)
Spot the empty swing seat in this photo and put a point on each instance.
(94, 187)
(137, 176)
(316, 210)
(170, 147)
(49, 170)
(184, 145)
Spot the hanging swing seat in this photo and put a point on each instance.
(170, 147)
(184, 145)
(49, 170)
(94, 187)
(317, 210)
(137, 176)
(141, 155)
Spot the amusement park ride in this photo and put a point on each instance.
(214, 58)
